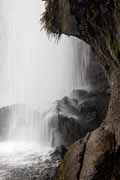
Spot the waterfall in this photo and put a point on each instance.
(37, 70)
(81, 56)
(23, 124)
(27, 125)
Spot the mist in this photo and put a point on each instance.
(34, 70)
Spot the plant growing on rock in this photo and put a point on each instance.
(96, 22)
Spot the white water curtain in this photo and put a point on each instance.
(33, 69)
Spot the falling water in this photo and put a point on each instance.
(35, 71)
(24, 124)
(31, 127)
(27, 125)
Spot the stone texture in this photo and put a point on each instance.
(97, 22)
(72, 117)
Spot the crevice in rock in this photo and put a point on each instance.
(81, 160)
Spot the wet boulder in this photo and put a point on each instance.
(59, 153)
(72, 117)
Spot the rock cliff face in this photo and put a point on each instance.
(97, 22)
(72, 117)
(94, 21)
(96, 77)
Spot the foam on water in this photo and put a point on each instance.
(21, 153)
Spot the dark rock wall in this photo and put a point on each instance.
(72, 117)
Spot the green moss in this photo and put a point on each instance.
(91, 12)
(115, 46)
(65, 166)
(94, 163)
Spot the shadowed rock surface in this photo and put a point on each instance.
(72, 117)
(96, 22)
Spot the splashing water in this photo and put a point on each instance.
(36, 72)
